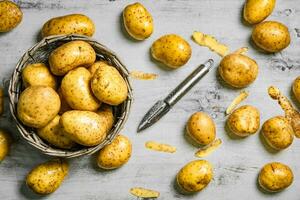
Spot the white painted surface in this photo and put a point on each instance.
(237, 162)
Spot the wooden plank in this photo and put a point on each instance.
(236, 163)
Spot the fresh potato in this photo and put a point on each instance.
(84, 127)
(238, 70)
(38, 74)
(109, 86)
(115, 154)
(195, 176)
(244, 121)
(37, 106)
(69, 24)
(275, 177)
(201, 128)
(271, 36)
(172, 50)
(47, 177)
(1, 101)
(53, 134)
(71, 55)
(64, 107)
(138, 21)
(256, 11)
(94, 67)
(278, 132)
(106, 112)
(10, 15)
(296, 88)
(5, 141)
(75, 88)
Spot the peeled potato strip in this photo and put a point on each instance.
(210, 42)
(242, 50)
(291, 114)
(142, 75)
(205, 151)
(144, 193)
(237, 100)
(160, 147)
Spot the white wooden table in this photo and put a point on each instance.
(236, 163)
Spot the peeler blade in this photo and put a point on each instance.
(159, 109)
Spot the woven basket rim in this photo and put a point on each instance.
(14, 91)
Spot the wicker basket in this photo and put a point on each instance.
(40, 53)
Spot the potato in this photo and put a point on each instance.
(5, 142)
(94, 67)
(278, 132)
(271, 36)
(38, 74)
(64, 107)
(238, 70)
(172, 50)
(71, 55)
(275, 177)
(201, 128)
(195, 176)
(10, 15)
(256, 11)
(109, 86)
(1, 101)
(115, 154)
(106, 112)
(54, 135)
(138, 21)
(296, 88)
(244, 121)
(37, 106)
(84, 127)
(47, 177)
(69, 24)
(75, 88)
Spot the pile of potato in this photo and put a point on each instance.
(270, 36)
(83, 119)
(70, 99)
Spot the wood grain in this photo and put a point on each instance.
(236, 163)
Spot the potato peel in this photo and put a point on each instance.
(160, 147)
(208, 149)
(242, 50)
(237, 100)
(144, 193)
(210, 42)
(291, 114)
(142, 76)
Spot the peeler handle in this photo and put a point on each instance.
(188, 83)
